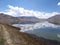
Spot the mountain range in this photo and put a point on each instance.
(30, 19)
(7, 19)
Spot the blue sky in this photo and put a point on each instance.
(40, 5)
(47, 6)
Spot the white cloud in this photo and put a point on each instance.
(58, 4)
(19, 11)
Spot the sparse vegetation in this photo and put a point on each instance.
(1, 41)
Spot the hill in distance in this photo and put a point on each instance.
(55, 19)
(6, 19)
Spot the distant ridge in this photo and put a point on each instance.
(30, 19)
(55, 19)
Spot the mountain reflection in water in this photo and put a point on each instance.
(42, 29)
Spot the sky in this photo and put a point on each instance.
(37, 8)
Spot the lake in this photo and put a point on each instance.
(42, 29)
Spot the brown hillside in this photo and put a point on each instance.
(6, 19)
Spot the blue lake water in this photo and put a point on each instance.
(42, 29)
